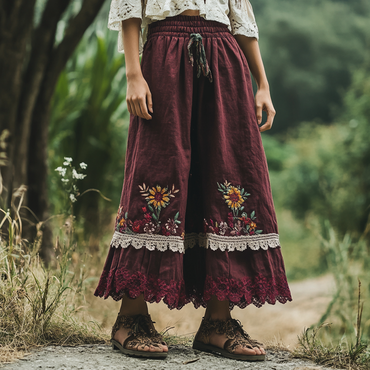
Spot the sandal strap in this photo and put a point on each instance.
(232, 328)
(142, 331)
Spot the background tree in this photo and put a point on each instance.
(31, 60)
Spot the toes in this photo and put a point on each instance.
(165, 348)
(245, 351)
(257, 350)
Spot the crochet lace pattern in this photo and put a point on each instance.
(177, 244)
(236, 14)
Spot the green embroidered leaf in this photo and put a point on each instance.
(177, 215)
(247, 227)
(258, 231)
(128, 231)
(159, 209)
(126, 214)
(155, 216)
(244, 214)
(150, 208)
(177, 222)
(241, 208)
(252, 215)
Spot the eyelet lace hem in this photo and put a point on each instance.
(212, 241)
(241, 293)
(151, 242)
(232, 243)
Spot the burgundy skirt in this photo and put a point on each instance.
(196, 216)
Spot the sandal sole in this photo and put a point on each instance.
(134, 353)
(222, 352)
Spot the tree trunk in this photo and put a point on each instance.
(15, 31)
(37, 155)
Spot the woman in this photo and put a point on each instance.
(196, 221)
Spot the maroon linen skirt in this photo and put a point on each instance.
(196, 216)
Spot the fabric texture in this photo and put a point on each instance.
(236, 14)
(196, 216)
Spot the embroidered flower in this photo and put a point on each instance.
(149, 228)
(159, 197)
(136, 226)
(171, 226)
(233, 198)
(235, 225)
(223, 227)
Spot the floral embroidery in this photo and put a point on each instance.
(236, 224)
(156, 198)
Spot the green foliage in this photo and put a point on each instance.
(327, 174)
(310, 49)
(89, 123)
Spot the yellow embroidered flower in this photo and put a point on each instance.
(158, 197)
(234, 198)
(252, 226)
(122, 221)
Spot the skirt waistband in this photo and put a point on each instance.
(184, 25)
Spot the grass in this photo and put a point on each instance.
(345, 343)
(39, 306)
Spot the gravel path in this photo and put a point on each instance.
(102, 357)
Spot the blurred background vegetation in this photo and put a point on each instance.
(317, 58)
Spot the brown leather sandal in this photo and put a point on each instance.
(236, 336)
(142, 333)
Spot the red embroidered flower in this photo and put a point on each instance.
(245, 220)
(144, 209)
(147, 216)
(136, 226)
(251, 232)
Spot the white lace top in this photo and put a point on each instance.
(236, 14)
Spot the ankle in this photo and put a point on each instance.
(135, 306)
(217, 315)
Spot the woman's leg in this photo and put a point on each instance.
(219, 310)
(131, 307)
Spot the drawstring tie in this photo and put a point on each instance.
(200, 56)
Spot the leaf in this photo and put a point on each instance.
(155, 216)
(150, 208)
(126, 215)
(252, 215)
(258, 231)
(244, 214)
(241, 208)
(177, 222)
(177, 215)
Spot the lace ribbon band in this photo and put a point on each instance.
(212, 241)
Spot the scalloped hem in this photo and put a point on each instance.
(118, 283)
(240, 293)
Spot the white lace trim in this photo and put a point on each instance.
(176, 244)
(148, 241)
(232, 243)
(236, 14)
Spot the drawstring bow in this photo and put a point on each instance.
(200, 56)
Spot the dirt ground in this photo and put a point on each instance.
(102, 357)
(270, 323)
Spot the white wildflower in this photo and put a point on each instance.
(72, 198)
(83, 165)
(65, 180)
(61, 170)
(78, 176)
(68, 159)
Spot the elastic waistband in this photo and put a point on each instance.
(183, 25)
